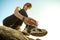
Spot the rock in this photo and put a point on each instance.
(7, 33)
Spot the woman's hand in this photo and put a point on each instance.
(30, 21)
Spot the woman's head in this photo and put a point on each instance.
(27, 6)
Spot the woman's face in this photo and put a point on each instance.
(27, 8)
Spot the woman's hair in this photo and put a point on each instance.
(28, 5)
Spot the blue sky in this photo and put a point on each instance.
(7, 7)
(46, 12)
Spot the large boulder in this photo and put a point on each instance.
(7, 33)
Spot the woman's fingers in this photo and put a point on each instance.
(33, 22)
(30, 21)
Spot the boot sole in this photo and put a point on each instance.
(41, 34)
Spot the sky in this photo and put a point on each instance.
(46, 12)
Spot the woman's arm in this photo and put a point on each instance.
(26, 20)
(17, 14)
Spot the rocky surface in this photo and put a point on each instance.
(7, 33)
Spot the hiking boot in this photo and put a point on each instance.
(34, 31)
